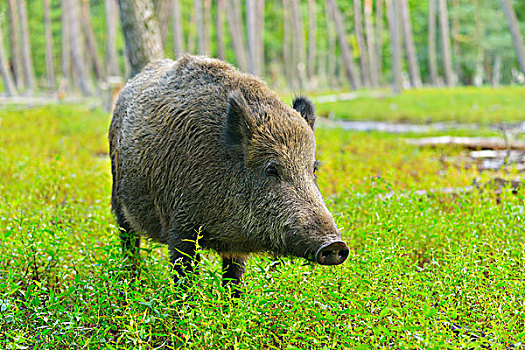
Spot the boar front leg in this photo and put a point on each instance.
(183, 257)
(233, 272)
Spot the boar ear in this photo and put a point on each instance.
(306, 108)
(238, 119)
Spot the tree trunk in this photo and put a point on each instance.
(111, 36)
(206, 26)
(298, 47)
(162, 10)
(141, 32)
(410, 47)
(445, 42)
(190, 47)
(14, 42)
(197, 7)
(260, 36)
(178, 37)
(515, 32)
(233, 16)
(432, 56)
(9, 84)
(77, 49)
(379, 38)
(251, 27)
(371, 45)
(331, 60)
(287, 45)
(455, 42)
(50, 71)
(393, 25)
(363, 59)
(29, 73)
(311, 39)
(346, 50)
(66, 47)
(91, 43)
(322, 54)
(220, 29)
(478, 72)
(496, 71)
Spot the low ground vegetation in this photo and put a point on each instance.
(466, 104)
(425, 271)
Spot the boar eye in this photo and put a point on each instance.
(271, 170)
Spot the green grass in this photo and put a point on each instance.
(465, 104)
(419, 266)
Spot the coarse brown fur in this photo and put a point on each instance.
(197, 144)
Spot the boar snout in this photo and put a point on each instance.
(333, 253)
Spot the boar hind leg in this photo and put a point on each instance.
(130, 243)
(183, 257)
(129, 239)
(233, 272)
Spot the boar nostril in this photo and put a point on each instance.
(333, 253)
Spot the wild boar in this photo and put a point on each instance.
(197, 145)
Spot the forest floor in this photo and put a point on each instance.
(482, 106)
(427, 268)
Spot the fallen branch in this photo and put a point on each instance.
(497, 184)
(473, 143)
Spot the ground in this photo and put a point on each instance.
(430, 270)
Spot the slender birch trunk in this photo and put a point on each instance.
(517, 39)
(219, 25)
(346, 50)
(78, 49)
(478, 71)
(393, 24)
(410, 47)
(260, 36)
(65, 47)
(50, 70)
(363, 59)
(14, 42)
(371, 44)
(298, 45)
(288, 61)
(445, 42)
(111, 37)
(331, 61)
(27, 61)
(311, 39)
(233, 16)
(432, 56)
(206, 26)
(379, 37)
(455, 43)
(9, 84)
(91, 43)
(178, 37)
(251, 27)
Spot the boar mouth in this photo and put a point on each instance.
(333, 253)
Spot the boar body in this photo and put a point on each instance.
(197, 145)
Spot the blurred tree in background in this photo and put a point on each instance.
(298, 44)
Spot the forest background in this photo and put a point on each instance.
(71, 45)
